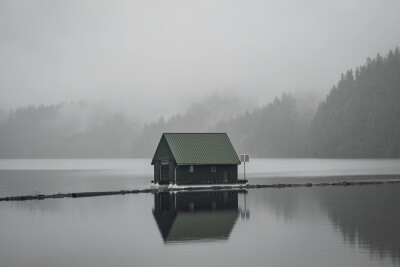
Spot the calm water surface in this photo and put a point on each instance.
(325, 226)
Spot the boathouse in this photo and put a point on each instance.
(195, 159)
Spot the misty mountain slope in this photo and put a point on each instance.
(66, 131)
(275, 130)
(199, 117)
(82, 130)
(22, 134)
(360, 115)
(358, 118)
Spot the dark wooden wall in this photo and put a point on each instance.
(203, 174)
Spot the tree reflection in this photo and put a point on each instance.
(367, 216)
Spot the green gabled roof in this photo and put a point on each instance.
(201, 148)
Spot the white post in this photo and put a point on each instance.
(244, 158)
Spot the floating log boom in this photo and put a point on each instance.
(244, 187)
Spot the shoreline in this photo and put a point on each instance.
(198, 188)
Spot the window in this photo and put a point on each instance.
(213, 168)
(191, 168)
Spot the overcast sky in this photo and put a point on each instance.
(158, 56)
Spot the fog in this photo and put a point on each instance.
(282, 78)
(155, 58)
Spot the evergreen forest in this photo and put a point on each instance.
(359, 118)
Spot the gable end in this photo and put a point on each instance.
(163, 151)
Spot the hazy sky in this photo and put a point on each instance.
(158, 56)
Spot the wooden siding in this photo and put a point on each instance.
(156, 171)
(163, 151)
(202, 174)
(171, 171)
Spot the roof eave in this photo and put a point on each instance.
(212, 163)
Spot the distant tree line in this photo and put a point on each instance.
(275, 130)
(44, 132)
(358, 118)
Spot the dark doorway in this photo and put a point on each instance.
(165, 172)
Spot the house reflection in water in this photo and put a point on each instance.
(196, 216)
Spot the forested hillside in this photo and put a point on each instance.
(360, 117)
(65, 131)
(275, 130)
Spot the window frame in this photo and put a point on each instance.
(213, 168)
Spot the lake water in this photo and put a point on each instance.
(318, 226)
